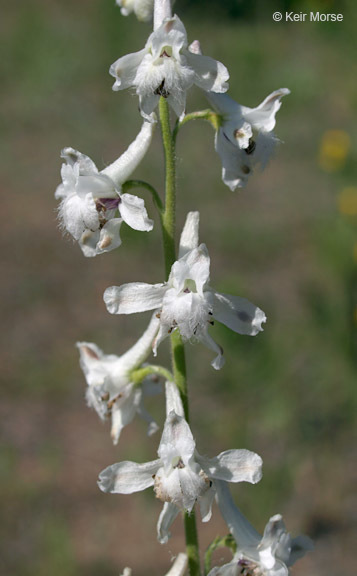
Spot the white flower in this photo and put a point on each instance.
(186, 301)
(270, 555)
(110, 389)
(181, 476)
(90, 199)
(178, 568)
(166, 67)
(245, 138)
(143, 9)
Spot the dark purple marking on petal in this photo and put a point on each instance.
(108, 203)
(243, 316)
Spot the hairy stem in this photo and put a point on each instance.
(177, 348)
(214, 119)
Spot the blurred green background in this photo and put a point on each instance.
(287, 242)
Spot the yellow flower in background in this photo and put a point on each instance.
(334, 148)
(347, 203)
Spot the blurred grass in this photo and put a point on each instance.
(289, 394)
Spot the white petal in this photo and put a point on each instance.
(193, 486)
(195, 265)
(134, 297)
(139, 353)
(124, 410)
(164, 331)
(109, 237)
(168, 514)
(243, 532)
(186, 312)
(273, 530)
(263, 116)
(180, 565)
(238, 314)
(177, 99)
(210, 75)
(208, 341)
(173, 399)
(120, 170)
(132, 210)
(148, 103)
(171, 33)
(206, 502)
(91, 364)
(162, 10)
(78, 213)
(167, 486)
(99, 185)
(125, 68)
(176, 441)
(189, 235)
(235, 162)
(88, 243)
(233, 466)
(128, 477)
(226, 106)
(85, 164)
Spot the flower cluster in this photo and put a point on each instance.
(186, 302)
(184, 305)
(180, 476)
(166, 67)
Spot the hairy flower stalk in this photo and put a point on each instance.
(177, 347)
(184, 305)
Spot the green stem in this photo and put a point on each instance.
(137, 376)
(169, 214)
(168, 222)
(130, 184)
(214, 119)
